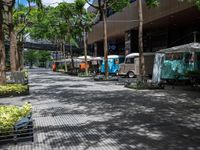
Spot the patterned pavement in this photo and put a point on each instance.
(74, 113)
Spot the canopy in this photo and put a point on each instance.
(83, 58)
(114, 56)
(191, 47)
(68, 60)
(97, 58)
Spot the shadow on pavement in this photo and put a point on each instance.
(72, 113)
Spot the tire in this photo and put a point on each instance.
(130, 74)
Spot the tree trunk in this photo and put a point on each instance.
(20, 55)
(17, 54)
(85, 52)
(71, 53)
(64, 53)
(13, 41)
(105, 42)
(140, 36)
(2, 49)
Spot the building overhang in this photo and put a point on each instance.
(169, 12)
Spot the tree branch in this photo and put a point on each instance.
(6, 24)
(96, 7)
(29, 10)
(111, 4)
(18, 33)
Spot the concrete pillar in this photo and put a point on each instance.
(134, 41)
(95, 50)
(127, 43)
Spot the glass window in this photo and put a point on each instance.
(188, 56)
(130, 61)
(116, 61)
(168, 56)
(178, 56)
(198, 57)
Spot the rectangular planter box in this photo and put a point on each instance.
(25, 134)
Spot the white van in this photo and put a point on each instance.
(130, 67)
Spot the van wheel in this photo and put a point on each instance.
(131, 74)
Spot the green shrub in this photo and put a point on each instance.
(25, 71)
(10, 115)
(83, 74)
(10, 89)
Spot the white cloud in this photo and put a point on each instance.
(86, 6)
(55, 2)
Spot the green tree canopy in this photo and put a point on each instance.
(39, 58)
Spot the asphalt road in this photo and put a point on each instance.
(81, 114)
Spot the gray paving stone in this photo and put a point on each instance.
(74, 113)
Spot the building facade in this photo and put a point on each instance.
(172, 23)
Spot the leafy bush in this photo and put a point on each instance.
(10, 115)
(63, 67)
(25, 71)
(142, 85)
(83, 74)
(139, 85)
(10, 89)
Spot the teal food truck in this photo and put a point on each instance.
(113, 64)
(176, 63)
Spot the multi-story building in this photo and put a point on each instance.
(172, 23)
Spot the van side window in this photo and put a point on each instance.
(116, 61)
(130, 61)
(198, 57)
(188, 56)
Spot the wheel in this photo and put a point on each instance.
(130, 74)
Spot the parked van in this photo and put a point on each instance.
(113, 64)
(130, 67)
(177, 63)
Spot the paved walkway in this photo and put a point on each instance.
(74, 113)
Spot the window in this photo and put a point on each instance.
(129, 60)
(188, 57)
(116, 61)
(174, 56)
(198, 57)
(178, 56)
(168, 57)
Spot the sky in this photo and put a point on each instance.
(54, 2)
(50, 2)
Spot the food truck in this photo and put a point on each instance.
(130, 67)
(59, 65)
(113, 64)
(177, 63)
(82, 65)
